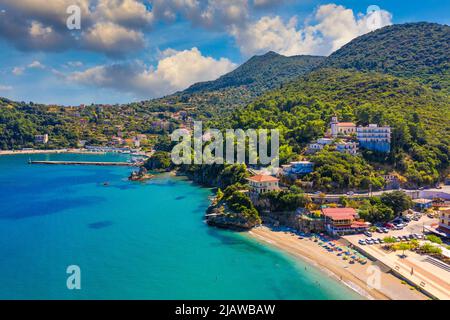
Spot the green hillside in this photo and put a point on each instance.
(411, 50)
(240, 86)
(419, 116)
(261, 73)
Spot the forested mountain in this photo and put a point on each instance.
(411, 50)
(240, 86)
(261, 73)
(397, 75)
(419, 117)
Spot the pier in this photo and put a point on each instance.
(87, 163)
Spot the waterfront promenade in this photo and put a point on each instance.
(420, 270)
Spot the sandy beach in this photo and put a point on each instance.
(353, 275)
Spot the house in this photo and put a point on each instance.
(422, 204)
(444, 220)
(341, 145)
(347, 147)
(342, 221)
(391, 181)
(341, 128)
(319, 144)
(41, 138)
(298, 168)
(261, 183)
(374, 138)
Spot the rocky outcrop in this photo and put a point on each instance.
(220, 216)
(140, 175)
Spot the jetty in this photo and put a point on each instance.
(87, 163)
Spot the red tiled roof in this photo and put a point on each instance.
(346, 124)
(339, 213)
(263, 178)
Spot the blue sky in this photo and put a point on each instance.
(130, 50)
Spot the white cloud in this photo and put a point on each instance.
(130, 13)
(5, 88)
(175, 71)
(333, 26)
(36, 65)
(112, 39)
(224, 13)
(74, 64)
(266, 3)
(17, 71)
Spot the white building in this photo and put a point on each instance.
(341, 128)
(444, 220)
(263, 183)
(41, 138)
(347, 147)
(374, 137)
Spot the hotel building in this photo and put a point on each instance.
(261, 183)
(342, 221)
(374, 137)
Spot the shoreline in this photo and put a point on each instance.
(51, 151)
(354, 276)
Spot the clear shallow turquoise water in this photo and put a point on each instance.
(131, 240)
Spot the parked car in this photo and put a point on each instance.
(368, 234)
(389, 225)
(385, 230)
(361, 242)
(368, 241)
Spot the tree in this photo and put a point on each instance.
(433, 238)
(398, 201)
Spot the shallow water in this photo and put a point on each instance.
(131, 240)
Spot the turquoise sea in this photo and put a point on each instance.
(131, 240)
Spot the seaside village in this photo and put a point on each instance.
(423, 230)
(339, 231)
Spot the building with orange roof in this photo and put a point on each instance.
(262, 183)
(342, 221)
(341, 128)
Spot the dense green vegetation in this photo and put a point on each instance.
(338, 171)
(390, 76)
(419, 117)
(66, 126)
(411, 50)
(381, 209)
(260, 73)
